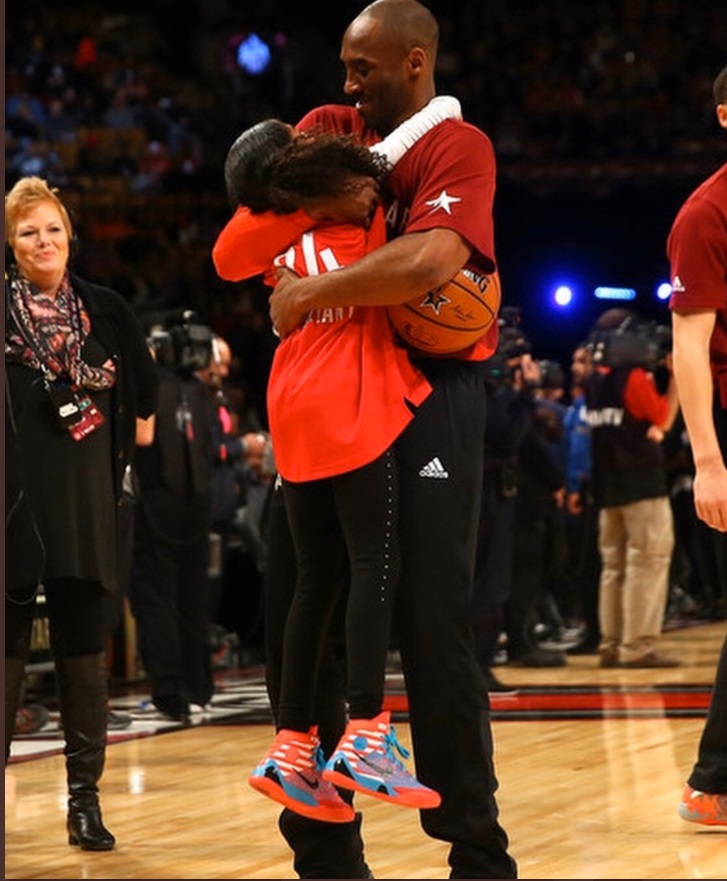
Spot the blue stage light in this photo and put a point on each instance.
(663, 291)
(563, 295)
(604, 292)
(253, 55)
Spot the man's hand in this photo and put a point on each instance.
(285, 314)
(528, 374)
(355, 206)
(710, 495)
(574, 503)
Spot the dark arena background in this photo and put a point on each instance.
(601, 115)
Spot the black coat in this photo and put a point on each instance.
(61, 496)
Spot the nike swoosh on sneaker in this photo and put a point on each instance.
(312, 783)
(383, 771)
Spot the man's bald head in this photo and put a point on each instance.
(406, 23)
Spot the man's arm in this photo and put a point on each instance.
(692, 334)
(643, 401)
(394, 273)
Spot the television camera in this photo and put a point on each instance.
(179, 341)
(634, 343)
(512, 343)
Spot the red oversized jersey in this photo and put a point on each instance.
(697, 251)
(340, 385)
(446, 179)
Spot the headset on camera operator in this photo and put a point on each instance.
(628, 419)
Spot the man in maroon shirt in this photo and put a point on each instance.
(697, 250)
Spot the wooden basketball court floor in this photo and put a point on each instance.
(591, 764)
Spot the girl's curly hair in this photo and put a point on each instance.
(271, 168)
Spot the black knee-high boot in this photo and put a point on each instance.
(82, 691)
(14, 675)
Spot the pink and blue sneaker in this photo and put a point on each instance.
(290, 774)
(364, 761)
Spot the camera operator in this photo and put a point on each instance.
(628, 419)
(168, 593)
(513, 376)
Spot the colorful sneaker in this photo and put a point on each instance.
(364, 760)
(290, 774)
(706, 808)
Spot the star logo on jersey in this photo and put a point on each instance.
(443, 201)
(435, 300)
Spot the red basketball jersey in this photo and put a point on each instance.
(446, 179)
(697, 250)
(340, 385)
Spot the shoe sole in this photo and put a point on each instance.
(74, 842)
(326, 814)
(543, 665)
(637, 665)
(411, 798)
(693, 817)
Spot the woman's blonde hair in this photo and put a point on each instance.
(25, 195)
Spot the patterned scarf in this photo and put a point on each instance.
(48, 333)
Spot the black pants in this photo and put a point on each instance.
(168, 594)
(710, 771)
(531, 561)
(360, 509)
(449, 710)
(493, 568)
(584, 567)
(278, 589)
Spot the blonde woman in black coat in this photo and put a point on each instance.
(79, 382)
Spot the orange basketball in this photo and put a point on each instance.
(452, 316)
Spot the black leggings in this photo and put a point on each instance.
(358, 510)
(79, 616)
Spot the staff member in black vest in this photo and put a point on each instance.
(79, 381)
(628, 418)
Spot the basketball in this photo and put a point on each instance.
(452, 316)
